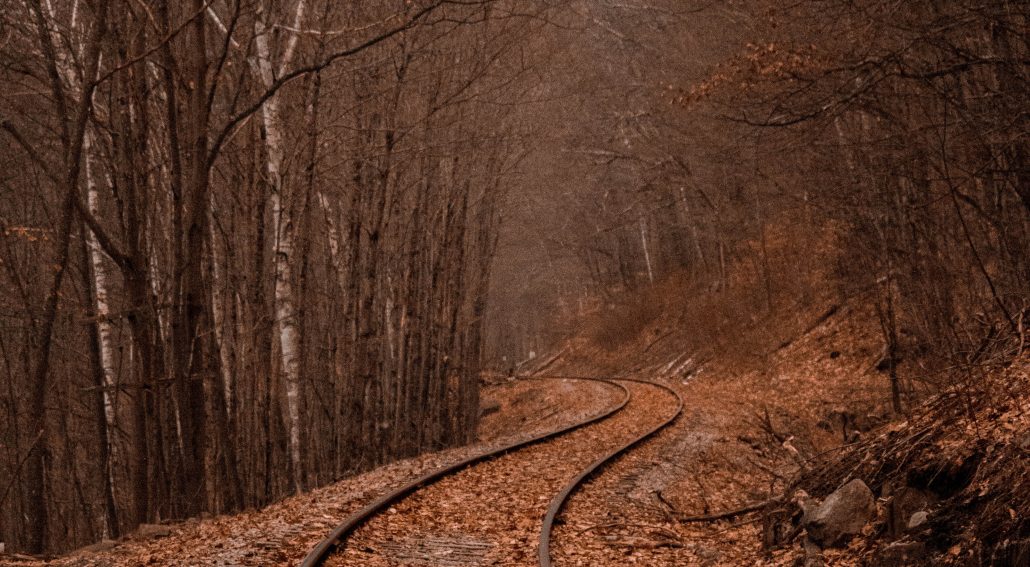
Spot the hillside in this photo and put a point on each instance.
(776, 419)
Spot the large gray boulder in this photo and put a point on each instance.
(842, 515)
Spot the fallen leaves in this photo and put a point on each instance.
(502, 501)
(284, 532)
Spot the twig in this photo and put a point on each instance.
(659, 339)
(650, 544)
(704, 494)
(666, 507)
(730, 514)
(17, 471)
(765, 422)
(717, 533)
(661, 498)
(766, 469)
(822, 319)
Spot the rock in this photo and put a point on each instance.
(917, 519)
(153, 530)
(842, 515)
(899, 553)
(903, 504)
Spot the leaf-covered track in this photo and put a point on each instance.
(558, 502)
(490, 513)
(325, 548)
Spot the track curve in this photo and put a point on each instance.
(325, 548)
(556, 505)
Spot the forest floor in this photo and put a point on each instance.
(489, 514)
(807, 411)
(747, 427)
(797, 414)
(284, 532)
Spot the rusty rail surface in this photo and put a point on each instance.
(544, 550)
(321, 552)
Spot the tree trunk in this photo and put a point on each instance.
(282, 255)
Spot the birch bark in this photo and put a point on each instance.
(647, 250)
(102, 309)
(283, 242)
(101, 285)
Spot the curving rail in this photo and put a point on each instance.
(544, 550)
(321, 552)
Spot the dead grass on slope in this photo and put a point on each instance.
(793, 401)
(752, 422)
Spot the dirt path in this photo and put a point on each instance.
(490, 514)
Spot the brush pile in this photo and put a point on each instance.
(952, 484)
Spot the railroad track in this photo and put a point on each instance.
(456, 548)
(559, 501)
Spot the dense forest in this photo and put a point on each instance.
(245, 247)
(738, 133)
(248, 247)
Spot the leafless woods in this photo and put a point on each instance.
(774, 154)
(244, 246)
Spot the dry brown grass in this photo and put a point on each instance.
(624, 321)
(741, 319)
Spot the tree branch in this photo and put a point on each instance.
(282, 81)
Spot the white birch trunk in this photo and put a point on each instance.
(284, 296)
(298, 19)
(102, 310)
(334, 235)
(100, 282)
(647, 251)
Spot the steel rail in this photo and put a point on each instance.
(321, 552)
(559, 501)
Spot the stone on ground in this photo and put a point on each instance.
(842, 515)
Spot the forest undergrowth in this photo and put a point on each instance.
(789, 403)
